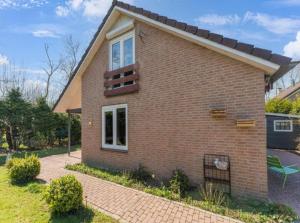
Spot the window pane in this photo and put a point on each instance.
(128, 52)
(109, 127)
(121, 126)
(116, 56)
(283, 126)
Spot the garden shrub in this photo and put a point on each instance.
(23, 170)
(64, 195)
(140, 174)
(212, 195)
(276, 105)
(179, 182)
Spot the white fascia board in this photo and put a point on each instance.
(265, 65)
(120, 30)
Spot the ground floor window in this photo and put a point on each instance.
(283, 125)
(114, 127)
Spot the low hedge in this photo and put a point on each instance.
(23, 170)
(64, 195)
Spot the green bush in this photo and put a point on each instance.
(64, 195)
(140, 174)
(179, 182)
(279, 106)
(23, 170)
(296, 106)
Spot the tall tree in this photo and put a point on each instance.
(15, 117)
(44, 122)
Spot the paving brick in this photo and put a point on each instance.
(122, 203)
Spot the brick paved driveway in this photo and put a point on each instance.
(290, 195)
(125, 204)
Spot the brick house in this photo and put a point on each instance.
(149, 87)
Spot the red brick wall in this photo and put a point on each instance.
(169, 124)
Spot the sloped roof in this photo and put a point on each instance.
(249, 49)
(289, 91)
(232, 43)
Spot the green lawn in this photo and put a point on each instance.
(247, 210)
(41, 153)
(25, 204)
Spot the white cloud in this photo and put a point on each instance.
(218, 20)
(75, 4)
(96, 8)
(62, 11)
(3, 60)
(292, 49)
(273, 24)
(89, 8)
(44, 33)
(21, 3)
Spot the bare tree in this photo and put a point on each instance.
(11, 78)
(70, 58)
(51, 67)
(294, 75)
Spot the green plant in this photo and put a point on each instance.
(179, 182)
(209, 194)
(20, 204)
(140, 174)
(64, 195)
(23, 170)
(279, 106)
(296, 106)
(246, 210)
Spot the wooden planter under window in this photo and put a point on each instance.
(245, 123)
(121, 81)
(218, 112)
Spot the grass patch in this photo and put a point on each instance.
(247, 210)
(40, 153)
(26, 204)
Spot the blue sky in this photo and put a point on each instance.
(27, 25)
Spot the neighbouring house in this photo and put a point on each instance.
(293, 91)
(161, 93)
(283, 131)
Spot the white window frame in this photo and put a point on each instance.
(121, 39)
(113, 109)
(280, 130)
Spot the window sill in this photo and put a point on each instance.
(114, 150)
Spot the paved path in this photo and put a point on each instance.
(125, 204)
(290, 195)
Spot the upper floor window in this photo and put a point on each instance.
(283, 125)
(122, 51)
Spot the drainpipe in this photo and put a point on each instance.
(69, 133)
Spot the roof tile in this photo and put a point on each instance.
(181, 25)
(191, 29)
(229, 42)
(262, 53)
(171, 22)
(279, 59)
(162, 19)
(244, 47)
(215, 37)
(232, 43)
(202, 33)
